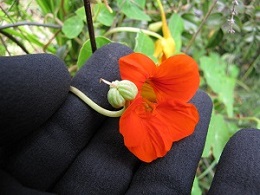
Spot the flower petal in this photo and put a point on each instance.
(142, 133)
(136, 67)
(176, 78)
(149, 135)
(181, 117)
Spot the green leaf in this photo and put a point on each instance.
(215, 20)
(248, 26)
(205, 7)
(131, 10)
(190, 22)
(140, 3)
(258, 124)
(144, 44)
(80, 12)
(233, 71)
(45, 6)
(86, 51)
(2, 50)
(218, 135)
(190, 17)
(209, 139)
(72, 27)
(176, 26)
(215, 38)
(214, 69)
(221, 135)
(249, 37)
(103, 15)
(195, 187)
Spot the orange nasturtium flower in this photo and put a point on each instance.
(164, 47)
(160, 114)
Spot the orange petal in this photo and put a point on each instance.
(181, 117)
(136, 67)
(176, 78)
(143, 135)
(149, 135)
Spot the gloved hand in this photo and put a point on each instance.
(52, 142)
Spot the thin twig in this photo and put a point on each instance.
(202, 23)
(21, 32)
(90, 25)
(51, 39)
(14, 40)
(6, 48)
(6, 12)
(25, 23)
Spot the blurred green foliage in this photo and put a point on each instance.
(229, 63)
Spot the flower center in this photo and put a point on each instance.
(147, 92)
(146, 109)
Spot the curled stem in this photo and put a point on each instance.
(132, 29)
(94, 106)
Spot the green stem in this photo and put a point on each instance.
(250, 69)
(208, 170)
(249, 118)
(25, 23)
(94, 106)
(132, 29)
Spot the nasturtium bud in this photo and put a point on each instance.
(155, 27)
(120, 92)
(127, 89)
(115, 98)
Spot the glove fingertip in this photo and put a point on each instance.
(32, 88)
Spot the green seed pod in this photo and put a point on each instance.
(120, 92)
(127, 89)
(114, 98)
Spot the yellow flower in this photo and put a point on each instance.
(164, 47)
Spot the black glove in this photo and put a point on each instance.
(238, 171)
(53, 142)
